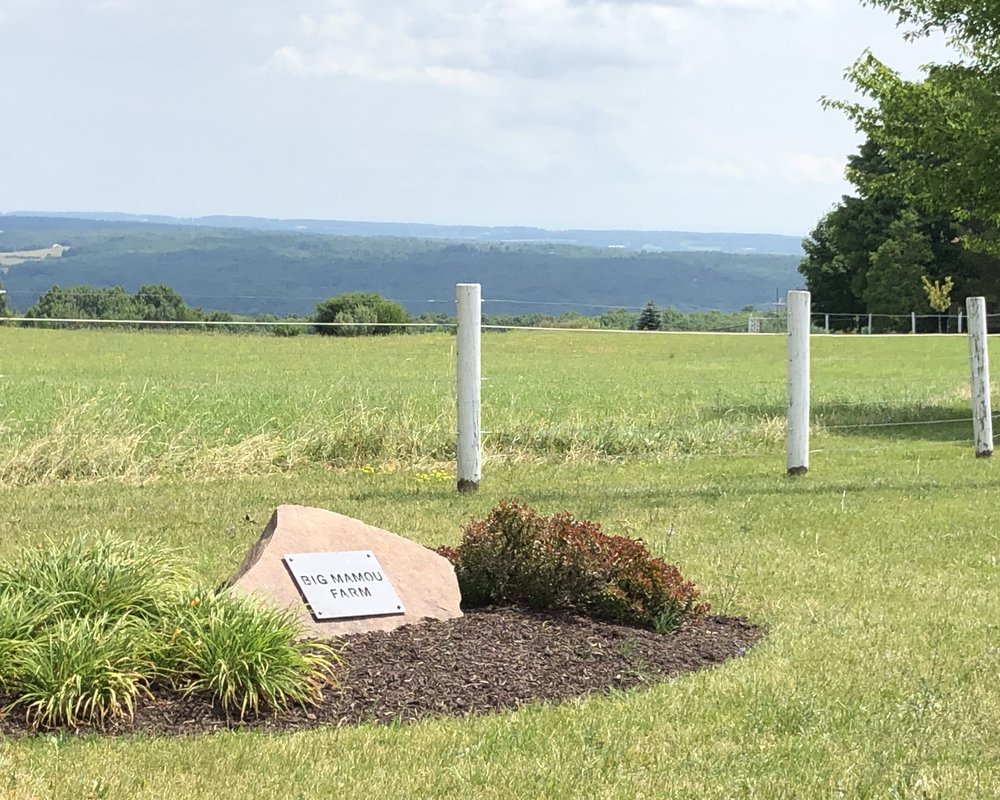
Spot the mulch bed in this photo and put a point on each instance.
(486, 661)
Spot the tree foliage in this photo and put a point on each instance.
(160, 302)
(894, 281)
(855, 255)
(276, 272)
(84, 302)
(351, 308)
(649, 319)
(941, 133)
(151, 303)
(938, 292)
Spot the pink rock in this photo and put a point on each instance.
(424, 581)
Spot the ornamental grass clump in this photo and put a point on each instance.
(516, 555)
(245, 656)
(95, 575)
(80, 670)
(20, 617)
(88, 628)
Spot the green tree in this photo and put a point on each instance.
(649, 319)
(938, 294)
(354, 322)
(839, 265)
(354, 307)
(839, 249)
(942, 133)
(673, 320)
(159, 302)
(619, 319)
(893, 283)
(84, 302)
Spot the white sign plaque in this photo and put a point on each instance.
(345, 584)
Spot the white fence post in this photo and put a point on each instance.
(979, 363)
(913, 322)
(799, 316)
(470, 446)
(870, 324)
(959, 320)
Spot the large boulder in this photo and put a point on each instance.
(424, 581)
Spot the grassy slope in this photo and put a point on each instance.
(877, 573)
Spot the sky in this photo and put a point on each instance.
(698, 115)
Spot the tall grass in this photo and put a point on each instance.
(85, 669)
(121, 409)
(93, 575)
(877, 574)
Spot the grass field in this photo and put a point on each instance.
(877, 574)
(11, 258)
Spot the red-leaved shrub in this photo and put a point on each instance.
(516, 555)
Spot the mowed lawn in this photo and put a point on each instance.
(876, 574)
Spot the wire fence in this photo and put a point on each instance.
(225, 324)
(623, 399)
(864, 323)
(550, 313)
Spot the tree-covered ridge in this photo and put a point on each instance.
(254, 272)
(672, 241)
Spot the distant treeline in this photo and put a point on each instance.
(247, 272)
(663, 241)
(347, 314)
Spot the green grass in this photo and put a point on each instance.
(245, 655)
(90, 624)
(103, 405)
(877, 574)
(85, 669)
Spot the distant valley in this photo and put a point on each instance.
(253, 266)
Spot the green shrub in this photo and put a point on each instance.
(20, 618)
(79, 670)
(95, 575)
(87, 628)
(244, 655)
(516, 555)
(359, 307)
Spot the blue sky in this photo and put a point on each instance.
(656, 114)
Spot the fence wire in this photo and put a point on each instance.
(713, 400)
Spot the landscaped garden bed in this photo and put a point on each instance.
(489, 660)
(103, 635)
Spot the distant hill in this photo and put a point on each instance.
(664, 241)
(250, 271)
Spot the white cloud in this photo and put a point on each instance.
(566, 113)
(782, 6)
(810, 168)
(112, 5)
(712, 168)
(452, 43)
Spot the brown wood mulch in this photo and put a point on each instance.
(485, 661)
